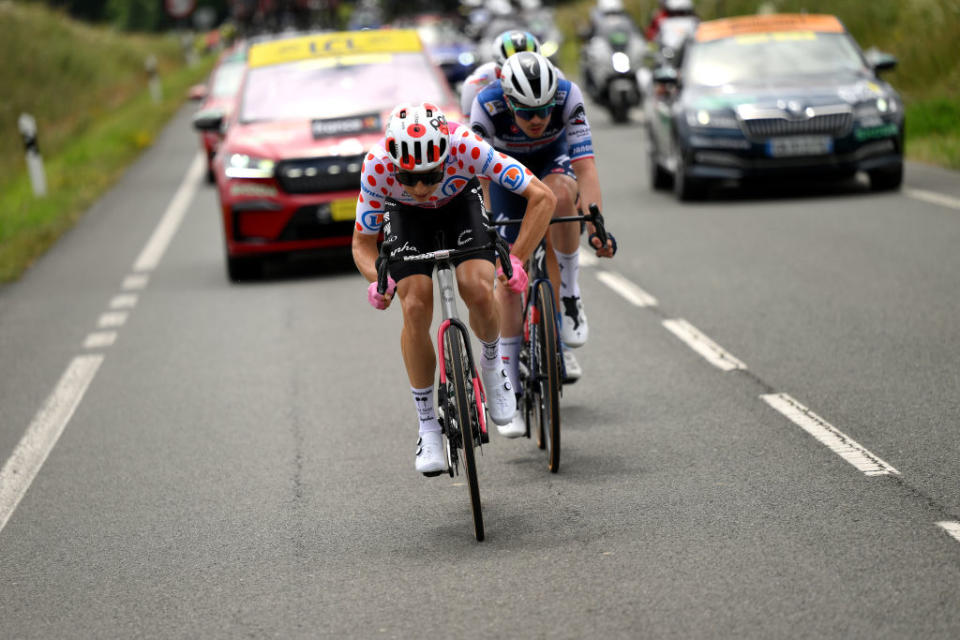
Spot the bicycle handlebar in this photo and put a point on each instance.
(496, 243)
(594, 216)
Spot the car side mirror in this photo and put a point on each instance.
(198, 93)
(209, 120)
(880, 60)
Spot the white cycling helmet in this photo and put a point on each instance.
(417, 137)
(513, 41)
(610, 6)
(529, 79)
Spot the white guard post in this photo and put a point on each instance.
(38, 176)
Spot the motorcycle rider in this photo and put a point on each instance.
(668, 9)
(532, 115)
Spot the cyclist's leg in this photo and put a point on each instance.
(415, 291)
(475, 281)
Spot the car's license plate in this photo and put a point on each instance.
(799, 146)
(343, 209)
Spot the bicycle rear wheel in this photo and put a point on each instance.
(455, 351)
(548, 374)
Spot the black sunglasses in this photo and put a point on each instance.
(528, 113)
(411, 178)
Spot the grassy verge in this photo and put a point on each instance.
(91, 128)
(921, 33)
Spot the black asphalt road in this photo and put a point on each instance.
(241, 464)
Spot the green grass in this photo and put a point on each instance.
(87, 88)
(922, 34)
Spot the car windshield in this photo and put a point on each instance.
(226, 81)
(765, 56)
(335, 87)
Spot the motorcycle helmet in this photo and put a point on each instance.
(417, 137)
(677, 7)
(510, 42)
(529, 79)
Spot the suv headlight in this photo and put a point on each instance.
(240, 165)
(703, 118)
(874, 112)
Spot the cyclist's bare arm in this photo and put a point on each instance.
(540, 206)
(365, 254)
(588, 180)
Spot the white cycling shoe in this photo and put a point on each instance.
(571, 368)
(574, 330)
(431, 456)
(516, 428)
(501, 402)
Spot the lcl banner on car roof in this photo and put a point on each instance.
(329, 45)
(745, 25)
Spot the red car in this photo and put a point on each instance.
(220, 95)
(288, 170)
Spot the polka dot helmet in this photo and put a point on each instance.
(510, 42)
(417, 137)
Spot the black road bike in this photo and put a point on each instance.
(541, 359)
(460, 394)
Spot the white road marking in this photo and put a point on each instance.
(932, 197)
(157, 244)
(135, 282)
(44, 431)
(633, 294)
(100, 339)
(837, 441)
(124, 301)
(112, 319)
(588, 258)
(953, 528)
(714, 353)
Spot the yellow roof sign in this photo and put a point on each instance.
(748, 25)
(335, 44)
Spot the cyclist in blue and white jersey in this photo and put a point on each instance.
(533, 115)
(504, 45)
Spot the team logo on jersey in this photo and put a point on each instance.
(512, 177)
(494, 107)
(453, 186)
(579, 115)
(371, 220)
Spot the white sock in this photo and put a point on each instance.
(510, 350)
(490, 357)
(423, 399)
(569, 273)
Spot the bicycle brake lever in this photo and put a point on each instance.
(382, 264)
(597, 219)
(503, 251)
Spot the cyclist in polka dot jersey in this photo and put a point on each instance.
(420, 178)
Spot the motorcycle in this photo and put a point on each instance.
(609, 61)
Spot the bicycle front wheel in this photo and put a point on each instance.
(458, 376)
(548, 374)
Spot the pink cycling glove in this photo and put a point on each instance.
(376, 300)
(518, 283)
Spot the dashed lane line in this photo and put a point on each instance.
(631, 292)
(710, 350)
(42, 434)
(932, 197)
(836, 440)
(48, 424)
(953, 528)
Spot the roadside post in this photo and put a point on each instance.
(156, 89)
(38, 175)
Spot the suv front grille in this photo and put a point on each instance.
(832, 124)
(316, 175)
